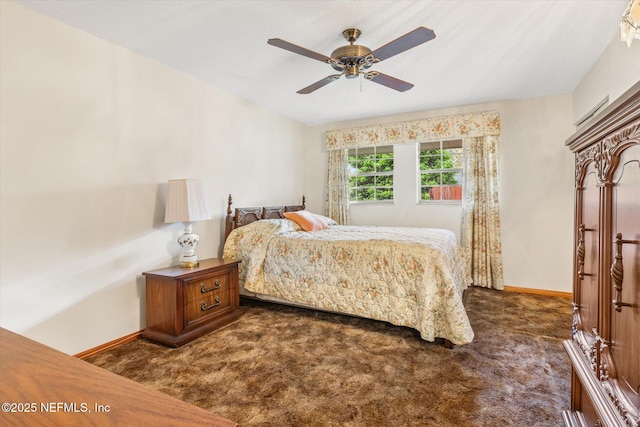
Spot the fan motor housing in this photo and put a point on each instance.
(350, 55)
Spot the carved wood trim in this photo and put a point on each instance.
(573, 419)
(614, 145)
(243, 216)
(273, 212)
(606, 154)
(583, 159)
(607, 411)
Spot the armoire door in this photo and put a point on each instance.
(587, 251)
(623, 347)
(586, 317)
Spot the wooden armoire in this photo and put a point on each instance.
(605, 347)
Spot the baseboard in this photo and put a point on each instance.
(108, 346)
(539, 292)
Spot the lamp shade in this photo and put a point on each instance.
(186, 202)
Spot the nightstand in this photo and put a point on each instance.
(185, 303)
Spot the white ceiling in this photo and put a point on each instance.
(483, 50)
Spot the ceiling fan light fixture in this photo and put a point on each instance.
(352, 71)
(352, 60)
(630, 23)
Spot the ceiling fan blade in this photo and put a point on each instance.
(391, 82)
(320, 83)
(298, 49)
(411, 39)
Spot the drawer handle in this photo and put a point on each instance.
(580, 251)
(205, 307)
(204, 289)
(617, 272)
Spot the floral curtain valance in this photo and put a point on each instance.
(485, 123)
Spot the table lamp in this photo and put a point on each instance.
(186, 203)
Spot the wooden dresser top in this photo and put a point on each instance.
(70, 388)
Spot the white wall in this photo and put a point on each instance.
(617, 69)
(537, 193)
(536, 188)
(90, 135)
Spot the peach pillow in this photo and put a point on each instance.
(306, 220)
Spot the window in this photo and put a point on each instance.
(371, 173)
(440, 170)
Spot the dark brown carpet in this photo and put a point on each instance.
(284, 366)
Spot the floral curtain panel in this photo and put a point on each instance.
(337, 199)
(480, 231)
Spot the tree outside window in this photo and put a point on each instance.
(371, 173)
(440, 171)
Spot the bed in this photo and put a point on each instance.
(407, 276)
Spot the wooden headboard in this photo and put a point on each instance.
(243, 216)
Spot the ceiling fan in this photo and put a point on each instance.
(353, 60)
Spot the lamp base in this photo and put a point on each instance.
(188, 241)
(189, 264)
(188, 260)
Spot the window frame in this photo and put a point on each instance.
(372, 174)
(419, 172)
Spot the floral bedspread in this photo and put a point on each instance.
(403, 275)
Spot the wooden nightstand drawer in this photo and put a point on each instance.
(209, 305)
(199, 288)
(185, 303)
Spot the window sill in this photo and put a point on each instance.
(371, 202)
(440, 202)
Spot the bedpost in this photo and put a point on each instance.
(229, 205)
(303, 202)
(228, 225)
